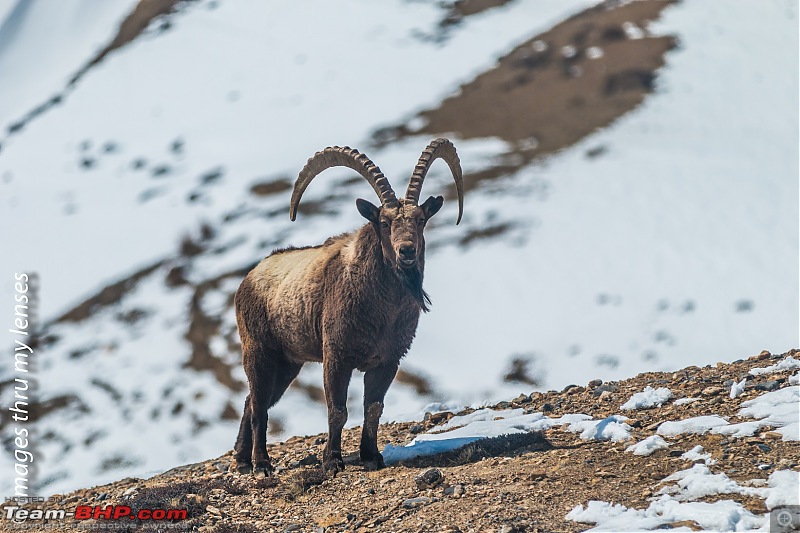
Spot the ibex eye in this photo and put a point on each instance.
(384, 224)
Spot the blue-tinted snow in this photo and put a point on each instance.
(487, 423)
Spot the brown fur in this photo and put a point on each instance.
(350, 303)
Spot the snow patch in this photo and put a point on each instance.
(718, 516)
(675, 505)
(696, 454)
(421, 447)
(465, 429)
(698, 482)
(683, 401)
(648, 445)
(742, 429)
(612, 428)
(697, 424)
(594, 52)
(789, 363)
(784, 488)
(777, 409)
(738, 388)
(462, 430)
(648, 398)
(482, 415)
(632, 30)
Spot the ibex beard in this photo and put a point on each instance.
(351, 303)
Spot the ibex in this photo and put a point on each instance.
(350, 303)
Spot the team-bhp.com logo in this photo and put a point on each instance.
(94, 512)
(117, 512)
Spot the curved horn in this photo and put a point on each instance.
(334, 156)
(439, 148)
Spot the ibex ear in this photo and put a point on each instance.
(432, 205)
(368, 210)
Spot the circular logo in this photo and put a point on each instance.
(784, 518)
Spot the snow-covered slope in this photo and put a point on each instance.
(248, 87)
(680, 240)
(43, 43)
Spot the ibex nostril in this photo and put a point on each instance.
(407, 250)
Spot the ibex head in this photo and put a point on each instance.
(399, 224)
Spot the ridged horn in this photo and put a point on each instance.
(335, 156)
(439, 148)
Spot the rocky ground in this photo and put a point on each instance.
(525, 483)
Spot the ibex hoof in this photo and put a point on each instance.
(375, 462)
(241, 467)
(262, 470)
(372, 466)
(333, 466)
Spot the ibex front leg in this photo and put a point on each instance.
(337, 379)
(376, 383)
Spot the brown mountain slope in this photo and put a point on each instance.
(523, 483)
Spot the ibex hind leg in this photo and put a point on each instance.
(269, 378)
(285, 373)
(252, 356)
(243, 450)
